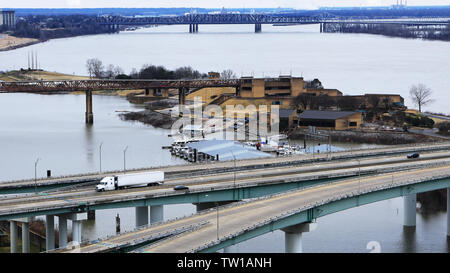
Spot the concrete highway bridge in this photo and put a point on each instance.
(396, 153)
(293, 211)
(88, 86)
(211, 187)
(193, 20)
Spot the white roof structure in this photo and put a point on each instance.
(227, 150)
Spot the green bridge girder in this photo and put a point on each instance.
(332, 207)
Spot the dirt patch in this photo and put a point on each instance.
(150, 117)
(8, 42)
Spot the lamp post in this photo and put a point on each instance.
(234, 180)
(100, 154)
(217, 206)
(124, 159)
(35, 175)
(359, 176)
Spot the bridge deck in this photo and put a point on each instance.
(245, 216)
(222, 166)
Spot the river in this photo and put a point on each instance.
(52, 128)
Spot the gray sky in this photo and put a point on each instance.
(299, 4)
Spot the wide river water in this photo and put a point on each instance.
(52, 128)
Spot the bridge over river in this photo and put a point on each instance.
(209, 187)
(193, 20)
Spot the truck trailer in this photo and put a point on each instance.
(116, 182)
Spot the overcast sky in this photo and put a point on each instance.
(299, 4)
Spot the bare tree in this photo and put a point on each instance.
(227, 74)
(94, 67)
(421, 95)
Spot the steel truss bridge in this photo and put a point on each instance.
(258, 19)
(211, 19)
(84, 85)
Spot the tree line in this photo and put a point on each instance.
(96, 69)
(48, 27)
(392, 30)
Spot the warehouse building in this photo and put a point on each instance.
(331, 120)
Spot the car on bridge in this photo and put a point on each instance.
(413, 155)
(180, 187)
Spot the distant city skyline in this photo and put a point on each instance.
(297, 4)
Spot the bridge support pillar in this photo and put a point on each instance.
(25, 237)
(76, 231)
(196, 28)
(293, 236)
(156, 214)
(62, 227)
(191, 28)
(448, 213)
(14, 239)
(409, 210)
(49, 232)
(321, 27)
(141, 216)
(258, 28)
(89, 113)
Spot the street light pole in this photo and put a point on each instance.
(359, 176)
(100, 152)
(217, 206)
(35, 175)
(124, 159)
(234, 180)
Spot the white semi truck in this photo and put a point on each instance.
(110, 183)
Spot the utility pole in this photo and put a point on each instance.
(124, 159)
(35, 175)
(100, 154)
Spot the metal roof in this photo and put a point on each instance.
(226, 149)
(285, 113)
(329, 115)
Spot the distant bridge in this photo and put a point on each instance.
(193, 20)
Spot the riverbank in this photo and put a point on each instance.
(8, 42)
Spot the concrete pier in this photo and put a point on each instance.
(76, 231)
(156, 214)
(25, 237)
(89, 112)
(141, 216)
(14, 239)
(409, 210)
(258, 28)
(62, 227)
(293, 236)
(49, 232)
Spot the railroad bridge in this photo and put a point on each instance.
(88, 86)
(193, 20)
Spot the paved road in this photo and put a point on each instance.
(20, 204)
(233, 219)
(224, 166)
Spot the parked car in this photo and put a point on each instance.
(180, 187)
(413, 155)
